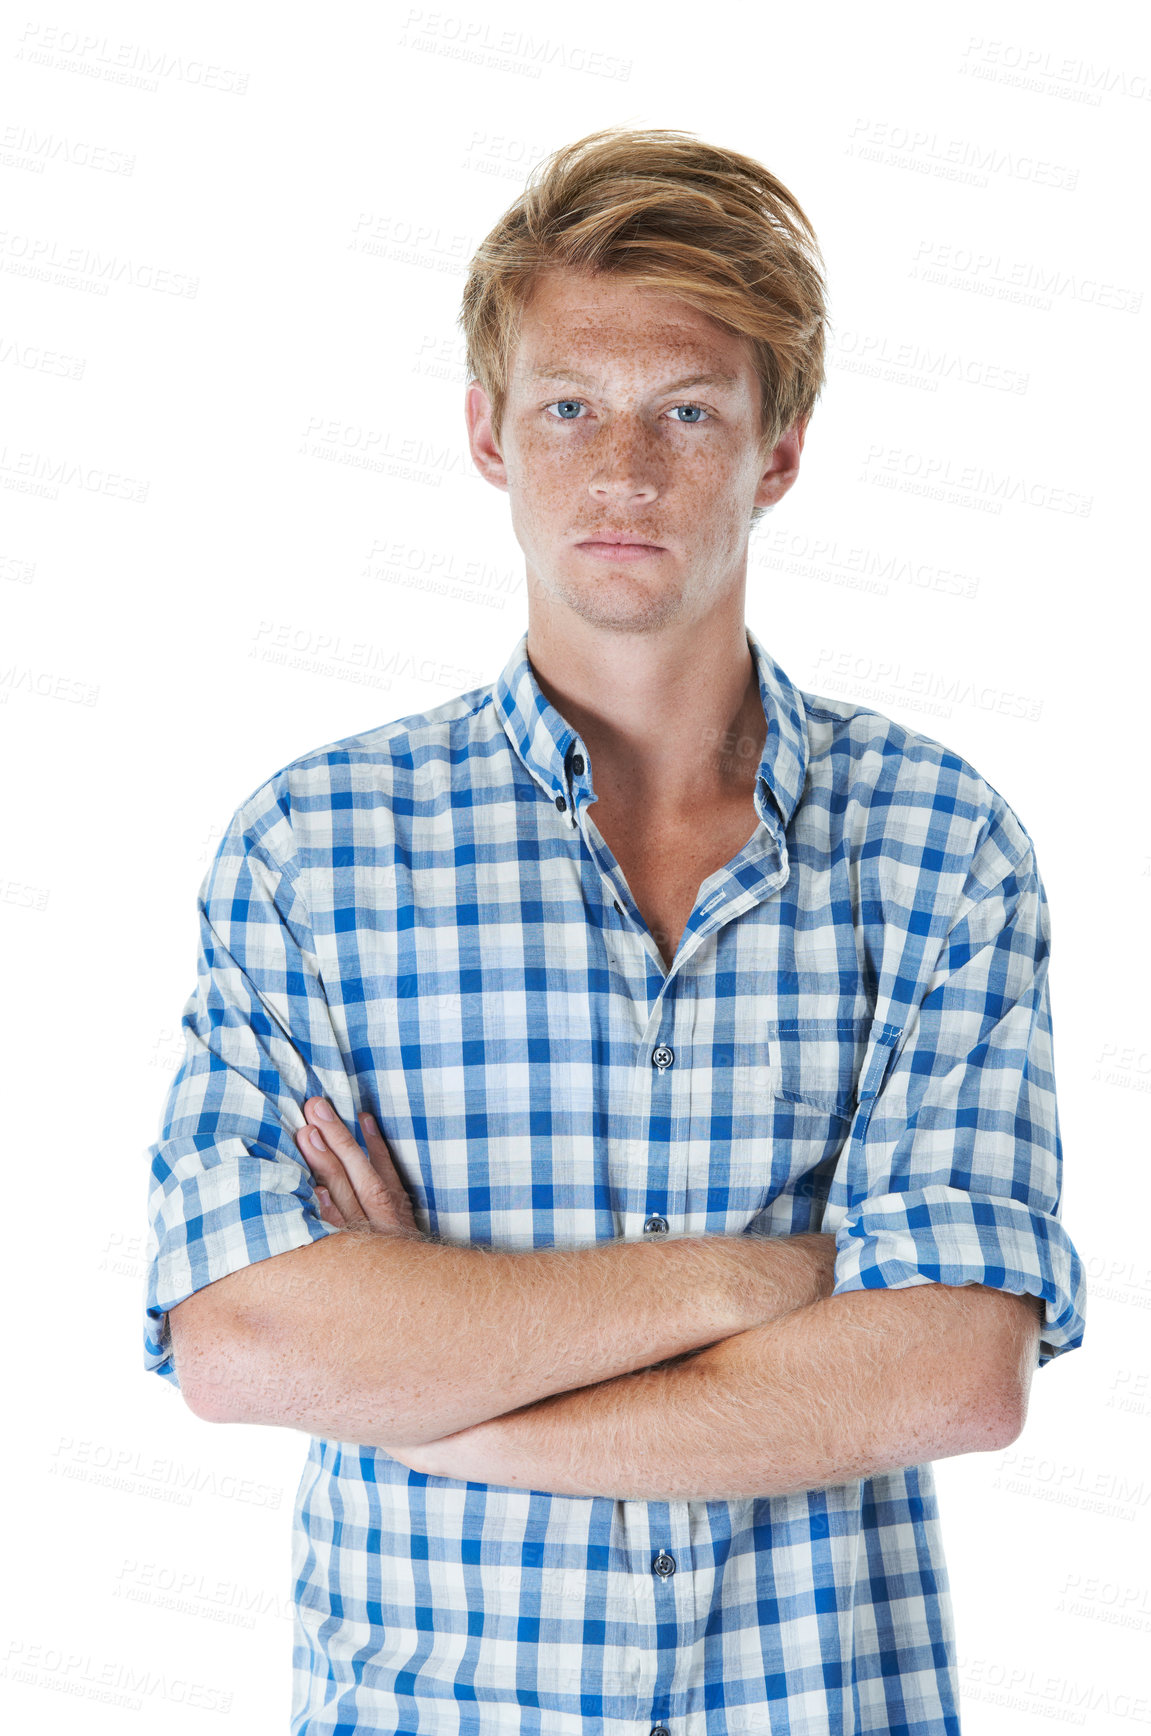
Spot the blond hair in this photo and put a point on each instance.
(669, 212)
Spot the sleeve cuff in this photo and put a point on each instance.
(941, 1235)
(177, 1270)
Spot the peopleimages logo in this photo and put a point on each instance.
(854, 565)
(919, 365)
(970, 161)
(474, 39)
(1066, 1699)
(930, 690)
(952, 266)
(1061, 75)
(939, 476)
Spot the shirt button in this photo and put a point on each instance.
(660, 1730)
(664, 1565)
(577, 764)
(662, 1057)
(618, 905)
(655, 1225)
(560, 804)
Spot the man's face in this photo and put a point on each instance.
(607, 429)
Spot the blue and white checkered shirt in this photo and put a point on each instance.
(424, 921)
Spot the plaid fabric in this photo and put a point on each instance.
(423, 920)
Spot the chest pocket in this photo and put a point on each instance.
(833, 1065)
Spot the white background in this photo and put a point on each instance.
(240, 520)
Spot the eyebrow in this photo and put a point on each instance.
(710, 379)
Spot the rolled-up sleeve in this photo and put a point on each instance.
(954, 1167)
(227, 1185)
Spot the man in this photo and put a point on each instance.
(697, 1031)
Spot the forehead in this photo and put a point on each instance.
(574, 320)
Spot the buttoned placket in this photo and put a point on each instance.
(758, 871)
(735, 889)
(658, 1595)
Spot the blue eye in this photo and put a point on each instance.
(576, 404)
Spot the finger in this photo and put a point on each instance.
(328, 1211)
(374, 1138)
(339, 1137)
(330, 1172)
(374, 1191)
(379, 1151)
(384, 1165)
(335, 1137)
(373, 1177)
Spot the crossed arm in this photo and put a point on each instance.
(850, 1386)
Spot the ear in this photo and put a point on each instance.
(782, 465)
(486, 455)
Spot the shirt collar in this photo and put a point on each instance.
(547, 744)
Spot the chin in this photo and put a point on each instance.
(625, 615)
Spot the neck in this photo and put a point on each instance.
(672, 719)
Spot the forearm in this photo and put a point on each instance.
(377, 1339)
(847, 1387)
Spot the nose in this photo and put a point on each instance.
(623, 467)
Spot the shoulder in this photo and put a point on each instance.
(392, 764)
(909, 795)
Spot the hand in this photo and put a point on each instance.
(421, 1457)
(358, 1192)
(473, 1455)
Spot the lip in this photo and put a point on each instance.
(620, 548)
